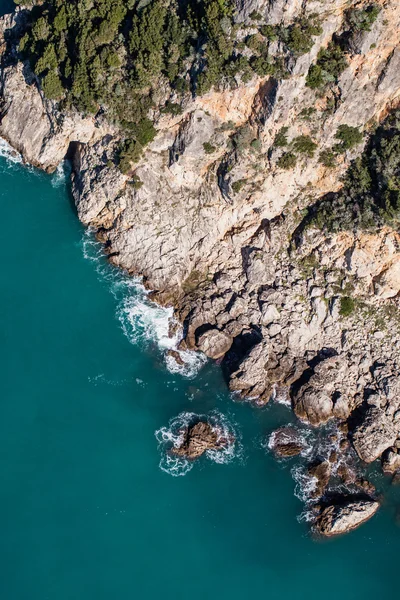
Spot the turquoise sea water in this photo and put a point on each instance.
(86, 511)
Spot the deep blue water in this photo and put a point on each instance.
(86, 512)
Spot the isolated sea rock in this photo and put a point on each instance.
(286, 442)
(337, 519)
(198, 439)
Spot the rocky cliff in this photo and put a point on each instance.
(213, 217)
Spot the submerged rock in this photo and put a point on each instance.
(197, 439)
(321, 470)
(286, 442)
(336, 519)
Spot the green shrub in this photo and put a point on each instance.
(327, 158)
(348, 136)
(237, 185)
(172, 108)
(209, 148)
(52, 86)
(331, 62)
(362, 19)
(130, 152)
(300, 36)
(281, 140)
(303, 144)
(370, 197)
(347, 306)
(287, 161)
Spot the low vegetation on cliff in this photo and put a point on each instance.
(370, 196)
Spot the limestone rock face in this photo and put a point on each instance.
(339, 519)
(34, 126)
(197, 439)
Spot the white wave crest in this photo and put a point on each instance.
(172, 437)
(143, 322)
(60, 175)
(8, 152)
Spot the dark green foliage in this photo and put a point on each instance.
(362, 19)
(287, 161)
(348, 136)
(237, 185)
(347, 306)
(331, 62)
(370, 197)
(130, 152)
(242, 138)
(172, 108)
(209, 148)
(327, 158)
(303, 144)
(300, 36)
(281, 140)
(52, 86)
(270, 32)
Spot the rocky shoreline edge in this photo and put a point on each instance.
(231, 240)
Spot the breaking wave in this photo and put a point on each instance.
(8, 152)
(172, 436)
(143, 322)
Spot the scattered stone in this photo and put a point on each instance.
(336, 519)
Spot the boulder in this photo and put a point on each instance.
(374, 434)
(286, 442)
(315, 401)
(391, 462)
(197, 439)
(336, 519)
(214, 343)
(321, 470)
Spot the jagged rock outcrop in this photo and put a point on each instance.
(337, 519)
(197, 439)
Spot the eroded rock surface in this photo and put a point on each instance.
(337, 519)
(198, 439)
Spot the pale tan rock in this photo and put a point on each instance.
(339, 519)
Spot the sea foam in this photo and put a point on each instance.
(171, 436)
(143, 322)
